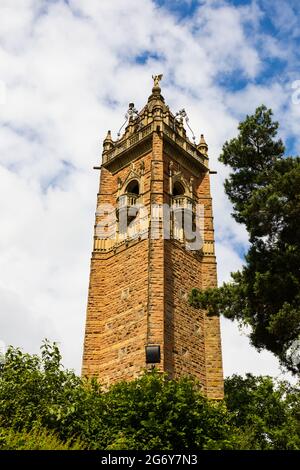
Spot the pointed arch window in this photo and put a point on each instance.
(178, 189)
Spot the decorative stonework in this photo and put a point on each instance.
(139, 285)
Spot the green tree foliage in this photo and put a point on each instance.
(264, 188)
(43, 406)
(35, 439)
(151, 412)
(266, 412)
(156, 413)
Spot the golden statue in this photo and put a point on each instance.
(157, 79)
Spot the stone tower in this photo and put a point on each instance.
(144, 261)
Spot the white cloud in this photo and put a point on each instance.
(220, 29)
(273, 95)
(284, 15)
(227, 257)
(239, 357)
(18, 324)
(69, 72)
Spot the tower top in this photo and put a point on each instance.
(139, 126)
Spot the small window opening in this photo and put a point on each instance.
(133, 187)
(178, 189)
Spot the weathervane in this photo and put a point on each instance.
(157, 79)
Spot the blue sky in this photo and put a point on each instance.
(67, 73)
(182, 9)
(277, 20)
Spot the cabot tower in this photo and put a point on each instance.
(154, 242)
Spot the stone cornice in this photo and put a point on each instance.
(140, 143)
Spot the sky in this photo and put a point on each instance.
(68, 70)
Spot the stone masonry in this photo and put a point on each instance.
(139, 284)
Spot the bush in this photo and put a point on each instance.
(36, 439)
(151, 412)
(43, 406)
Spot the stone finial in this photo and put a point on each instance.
(108, 142)
(202, 146)
(108, 137)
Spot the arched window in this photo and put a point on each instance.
(178, 189)
(127, 205)
(133, 187)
